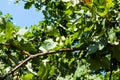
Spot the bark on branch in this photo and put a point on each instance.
(40, 54)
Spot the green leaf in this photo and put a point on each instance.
(88, 28)
(105, 63)
(102, 43)
(47, 45)
(52, 71)
(2, 23)
(70, 62)
(95, 63)
(68, 12)
(69, 41)
(97, 46)
(28, 5)
(109, 3)
(93, 48)
(28, 76)
(30, 69)
(2, 38)
(112, 36)
(28, 47)
(0, 13)
(13, 58)
(75, 35)
(43, 71)
(9, 30)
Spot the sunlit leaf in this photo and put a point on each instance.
(27, 76)
(112, 36)
(47, 45)
(52, 71)
(68, 12)
(9, 30)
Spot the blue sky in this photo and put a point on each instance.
(21, 16)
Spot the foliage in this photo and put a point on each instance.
(82, 38)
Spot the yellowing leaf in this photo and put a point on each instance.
(88, 2)
(109, 3)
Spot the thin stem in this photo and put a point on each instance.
(111, 67)
(16, 47)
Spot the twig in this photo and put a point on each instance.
(40, 54)
(111, 67)
(16, 47)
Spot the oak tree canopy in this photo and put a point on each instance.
(77, 40)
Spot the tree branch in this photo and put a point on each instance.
(16, 47)
(40, 54)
